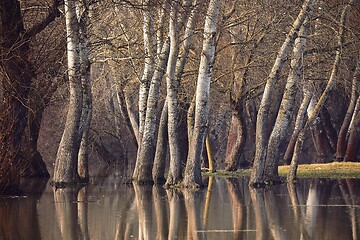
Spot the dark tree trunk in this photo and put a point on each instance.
(16, 85)
(329, 129)
(233, 151)
(353, 142)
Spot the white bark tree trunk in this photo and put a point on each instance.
(192, 176)
(172, 86)
(86, 115)
(66, 169)
(257, 175)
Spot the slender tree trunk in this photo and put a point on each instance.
(299, 143)
(287, 105)
(161, 148)
(174, 174)
(257, 175)
(86, 113)
(66, 164)
(341, 143)
(354, 131)
(300, 119)
(192, 176)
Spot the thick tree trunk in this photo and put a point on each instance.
(161, 148)
(66, 164)
(257, 175)
(341, 143)
(299, 143)
(146, 152)
(287, 105)
(192, 175)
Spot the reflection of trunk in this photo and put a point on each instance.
(312, 119)
(257, 199)
(348, 191)
(124, 207)
(160, 212)
(143, 198)
(341, 144)
(298, 214)
(192, 175)
(257, 174)
(273, 215)
(174, 222)
(193, 215)
(67, 212)
(207, 202)
(237, 208)
(18, 215)
(161, 147)
(82, 200)
(312, 208)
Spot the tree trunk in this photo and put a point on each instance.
(353, 142)
(341, 144)
(300, 119)
(146, 152)
(149, 44)
(287, 105)
(66, 164)
(192, 177)
(174, 174)
(239, 131)
(161, 148)
(257, 174)
(299, 143)
(86, 112)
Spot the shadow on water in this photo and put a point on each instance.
(227, 209)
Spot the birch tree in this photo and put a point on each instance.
(291, 177)
(192, 175)
(257, 175)
(66, 164)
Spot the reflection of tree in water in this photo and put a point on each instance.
(18, 214)
(161, 212)
(66, 205)
(193, 206)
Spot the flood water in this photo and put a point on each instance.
(228, 209)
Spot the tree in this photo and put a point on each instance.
(192, 175)
(18, 150)
(286, 107)
(71, 165)
(291, 177)
(257, 175)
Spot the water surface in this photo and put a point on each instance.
(227, 209)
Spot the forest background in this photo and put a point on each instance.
(155, 88)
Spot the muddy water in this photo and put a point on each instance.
(228, 209)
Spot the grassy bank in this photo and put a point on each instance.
(324, 170)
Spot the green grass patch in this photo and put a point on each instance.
(322, 170)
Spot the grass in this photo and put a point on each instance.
(323, 170)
